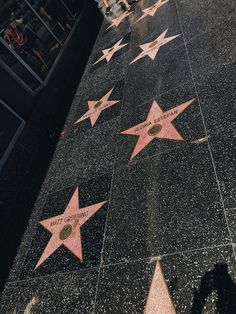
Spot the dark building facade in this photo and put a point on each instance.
(35, 98)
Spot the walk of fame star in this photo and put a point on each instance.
(151, 48)
(116, 22)
(108, 53)
(65, 228)
(152, 9)
(157, 125)
(96, 107)
(159, 300)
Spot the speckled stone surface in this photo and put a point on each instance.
(172, 205)
(61, 167)
(217, 95)
(73, 292)
(167, 71)
(224, 153)
(90, 154)
(27, 240)
(190, 277)
(212, 50)
(164, 213)
(199, 17)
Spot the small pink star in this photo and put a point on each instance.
(96, 107)
(152, 9)
(151, 49)
(157, 125)
(108, 53)
(63, 132)
(116, 22)
(65, 228)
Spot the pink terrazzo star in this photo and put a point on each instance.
(108, 53)
(65, 228)
(157, 125)
(151, 49)
(152, 9)
(159, 300)
(116, 22)
(96, 107)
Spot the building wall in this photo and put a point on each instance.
(24, 172)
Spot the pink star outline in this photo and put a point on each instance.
(152, 9)
(151, 48)
(73, 217)
(162, 122)
(108, 53)
(93, 113)
(116, 22)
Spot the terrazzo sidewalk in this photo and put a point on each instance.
(137, 211)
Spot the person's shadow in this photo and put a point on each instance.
(219, 281)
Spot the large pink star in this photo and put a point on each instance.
(96, 107)
(151, 48)
(152, 9)
(65, 228)
(116, 22)
(108, 53)
(157, 125)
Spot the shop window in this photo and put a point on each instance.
(32, 33)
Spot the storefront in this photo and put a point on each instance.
(11, 126)
(33, 34)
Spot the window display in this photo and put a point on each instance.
(11, 126)
(34, 31)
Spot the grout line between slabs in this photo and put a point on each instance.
(151, 258)
(58, 274)
(117, 167)
(33, 230)
(204, 124)
(103, 244)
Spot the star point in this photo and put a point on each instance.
(65, 228)
(157, 125)
(152, 9)
(96, 107)
(151, 48)
(109, 52)
(159, 299)
(116, 22)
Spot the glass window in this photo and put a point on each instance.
(56, 15)
(17, 68)
(32, 32)
(9, 125)
(29, 38)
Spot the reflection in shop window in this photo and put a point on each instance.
(55, 14)
(27, 36)
(18, 68)
(36, 29)
(10, 127)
